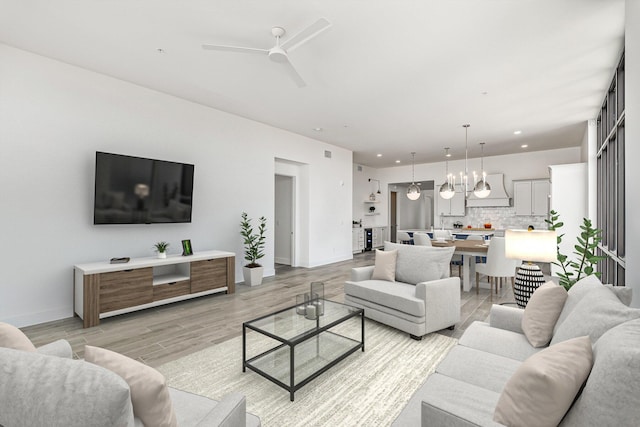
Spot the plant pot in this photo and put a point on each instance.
(252, 276)
(162, 254)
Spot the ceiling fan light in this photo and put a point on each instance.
(482, 189)
(447, 191)
(413, 192)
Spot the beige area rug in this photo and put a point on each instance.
(367, 388)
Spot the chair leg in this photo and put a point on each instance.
(477, 283)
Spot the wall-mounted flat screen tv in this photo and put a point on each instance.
(136, 190)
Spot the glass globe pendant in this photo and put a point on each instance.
(413, 191)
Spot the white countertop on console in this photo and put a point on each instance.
(106, 266)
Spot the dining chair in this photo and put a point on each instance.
(421, 239)
(403, 237)
(497, 267)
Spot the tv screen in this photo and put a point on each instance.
(136, 190)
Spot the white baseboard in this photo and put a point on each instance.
(31, 319)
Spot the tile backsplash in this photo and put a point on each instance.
(500, 218)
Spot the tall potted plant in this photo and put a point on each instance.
(253, 249)
(585, 251)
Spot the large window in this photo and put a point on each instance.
(610, 191)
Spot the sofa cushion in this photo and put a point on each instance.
(450, 402)
(542, 312)
(597, 312)
(478, 367)
(41, 390)
(542, 389)
(149, 393)
(12, 337)
(417, 264)
(385, 266)
(610, 396)
(481, 336)
(399, 296)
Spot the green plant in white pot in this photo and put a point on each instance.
(161, 249)
(253, 249)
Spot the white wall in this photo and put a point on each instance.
(632, 146)
(53, 117)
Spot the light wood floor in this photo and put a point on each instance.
(161, 334)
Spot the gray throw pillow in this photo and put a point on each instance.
(39, 390)
(575, 294)
(624, 294)
(610, 396)
(416, 264)
(596, 313)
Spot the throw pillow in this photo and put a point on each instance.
(542, 389)
(596, 313)
(610, 396)
(542, 312)
(149, 392)
(416, 264)
(624, 294)
(575, 294)
(41, 390)
(385, 266)
(12, 337)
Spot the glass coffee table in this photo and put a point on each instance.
(304, 348)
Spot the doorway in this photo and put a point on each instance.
(393, 215)
(284, 218)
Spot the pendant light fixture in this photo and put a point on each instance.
(482, 188)
(413, 191)
(447, 190)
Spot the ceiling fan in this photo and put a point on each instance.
(280, 52)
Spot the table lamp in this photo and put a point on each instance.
(529, 246)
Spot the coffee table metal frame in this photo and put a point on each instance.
(314, 330)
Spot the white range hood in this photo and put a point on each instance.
(497, 197)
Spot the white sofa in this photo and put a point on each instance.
(423, 298)
(467, 384)
(49, 388)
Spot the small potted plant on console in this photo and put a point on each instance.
(253, 249)
(161, 249)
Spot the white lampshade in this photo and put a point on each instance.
(534, 245)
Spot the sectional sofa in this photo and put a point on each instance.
(495, 371)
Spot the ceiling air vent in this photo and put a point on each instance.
(327, 154)
(359, 168)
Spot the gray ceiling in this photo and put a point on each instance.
(388, 77)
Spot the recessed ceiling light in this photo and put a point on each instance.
(318, 129)
(524, 146)
(160, 50)
(484, 92)
(517, 132)
(448, 154)
(397, 161)
(378, 155)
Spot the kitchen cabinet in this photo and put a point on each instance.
(452, 207)
(531, 197)
(357, 240)
(379, 234)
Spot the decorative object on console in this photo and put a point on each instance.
(187, 249)
(317, 297)
(122, 260)
(588, 240)
(253, 251)
(413, 191)
(529, 246)
(161, 249)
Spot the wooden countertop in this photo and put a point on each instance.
(463, 245)
(462, 230)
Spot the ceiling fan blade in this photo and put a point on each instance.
(234, 49)
(294, 74)
(305, 35)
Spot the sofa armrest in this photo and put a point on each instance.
(60, 348)
(358, 274)
(430, 291)
(442, 302)
(505, 317)
(231, 411)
